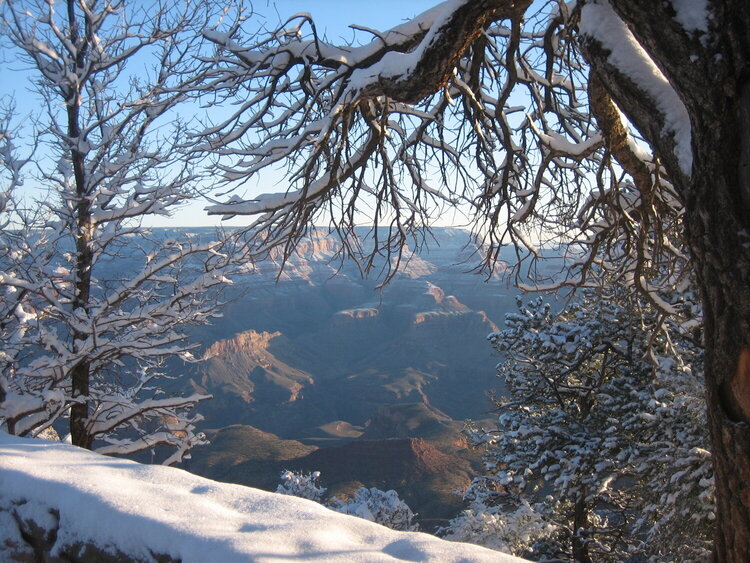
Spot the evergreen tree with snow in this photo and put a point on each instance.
(381, 507)
(602, 434)
(303, 485)
(513, 526)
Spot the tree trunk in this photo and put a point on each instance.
(711, 74)
(79, 411)
(718, 223)
(580, 522)
(718, 232)
(81, 372)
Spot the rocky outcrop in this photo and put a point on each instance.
(452, 304)
(356, 314)
(407, 420)
(26, 540)
(451, 320)
(244, 376)
(249, 341)
(245, 455)
(437, 293)
(316, 247)
(413, 266)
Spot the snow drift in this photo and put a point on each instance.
(69, 500)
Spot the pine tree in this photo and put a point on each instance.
(602, 430)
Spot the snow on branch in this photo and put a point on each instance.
(481, 109)
(601, 24)
(91, 303)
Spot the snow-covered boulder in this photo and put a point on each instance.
(73, 503)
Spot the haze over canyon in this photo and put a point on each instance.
(313, 367)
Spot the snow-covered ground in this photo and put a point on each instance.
(142, 510)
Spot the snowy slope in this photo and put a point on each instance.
(142, 510)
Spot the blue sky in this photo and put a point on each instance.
(337, 15)
(332, 17)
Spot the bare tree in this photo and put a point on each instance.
(620, 127)
(93, 304)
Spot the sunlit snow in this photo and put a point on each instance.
(143, 510)
(600, 22)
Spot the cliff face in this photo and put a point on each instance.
(385, 461)
(407, 420)
(356, 314)
(316, 247)
(241, 373)
(248, 342)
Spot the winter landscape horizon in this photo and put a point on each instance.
(443, 281)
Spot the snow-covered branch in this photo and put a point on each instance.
(481, 107)
(93, 304)
(601, 437)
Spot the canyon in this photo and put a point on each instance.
(314, 367)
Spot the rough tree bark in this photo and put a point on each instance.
(712, 77)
